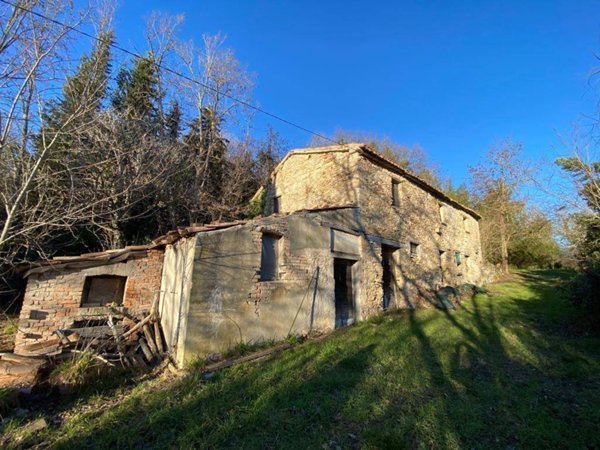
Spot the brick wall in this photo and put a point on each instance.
(53, 299)
(294, 269)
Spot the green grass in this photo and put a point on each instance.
(507, 370)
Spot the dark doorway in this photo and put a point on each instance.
(269, 257)
(388, 281)
(344, 297)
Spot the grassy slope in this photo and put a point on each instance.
(505, 371)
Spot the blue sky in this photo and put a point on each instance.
(453, 77)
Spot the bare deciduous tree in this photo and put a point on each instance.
(497, 182)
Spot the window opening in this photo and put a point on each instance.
(458, 258)
(395, 193)
(414, 250)
(269, 257)
(277, 204)
(442, 214)
(103, 290)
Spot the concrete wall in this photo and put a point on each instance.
(53, 299)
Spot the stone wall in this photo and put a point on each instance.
(439, 229)
(53, 299)
(300, 181)
(443, 233)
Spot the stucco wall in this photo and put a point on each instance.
(53, 299)
(175, 293)
(229, 304)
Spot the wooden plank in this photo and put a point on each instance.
(138, 361)
(137, 326)
(247, 358)
(62, 336)
(18, 358)
(37, 346)
(150, 339)
(99, 331)
(146, 350)
(11, 368)
(158, 338)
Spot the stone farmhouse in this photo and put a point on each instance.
(345, 235)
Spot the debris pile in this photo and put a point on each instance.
(115, 338)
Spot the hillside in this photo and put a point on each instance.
(506, 370)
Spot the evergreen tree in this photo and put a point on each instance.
(585, 288)
(67, 124)
(268, 155)
(137, 95)
(459, 193)
(173, 121)
(82, 96)
(207, 148)
(587, 178)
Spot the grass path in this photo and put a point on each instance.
(506, 370)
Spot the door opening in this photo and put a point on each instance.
(388, 280)
(344, 296)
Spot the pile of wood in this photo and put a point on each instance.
(113, 337)
(117, 340)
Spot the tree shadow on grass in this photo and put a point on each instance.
(481, 377)
(493, 384)
(245, 408)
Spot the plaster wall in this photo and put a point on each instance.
(176, 286)
(229, 303)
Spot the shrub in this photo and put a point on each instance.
(584, 292)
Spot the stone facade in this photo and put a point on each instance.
(53, 299)
(441, 231)
(301, 177)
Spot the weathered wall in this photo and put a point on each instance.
(228, 302)
(417, 219)
(300, 181)
(175, 293)
(317, 180)
(53, 299)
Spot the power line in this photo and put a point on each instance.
(166, 69)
